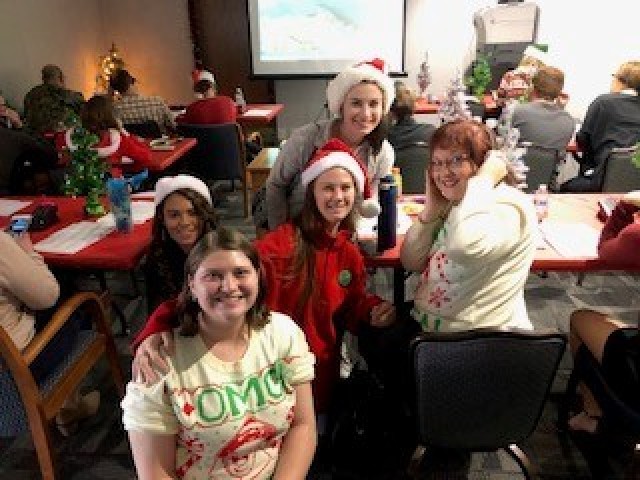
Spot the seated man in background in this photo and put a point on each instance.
(47, 106)
(131, 107)
(612, 120)
(542, 121)
(404, 130)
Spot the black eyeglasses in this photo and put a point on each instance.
(455, 162)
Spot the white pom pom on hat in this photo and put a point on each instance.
(335, 153)
(536, 53)
(167, 185)
(372, 71)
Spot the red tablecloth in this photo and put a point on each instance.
(116, 251)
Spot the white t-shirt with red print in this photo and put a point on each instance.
(229, 418)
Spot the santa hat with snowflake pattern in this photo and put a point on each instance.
(335, 153)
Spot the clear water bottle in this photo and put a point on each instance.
(120, 200)
(241, 103)
(541, 202)
(387, 220)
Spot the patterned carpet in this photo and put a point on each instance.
(99, 450)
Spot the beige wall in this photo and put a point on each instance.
(153, 37)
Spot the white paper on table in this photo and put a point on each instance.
(571, 239)
(368, 227)
(74, 237)
(8, 207)
(141, 211)
(257, 112)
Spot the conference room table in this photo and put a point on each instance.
(259, 113)
(432, 105)
(113, 252)
(577, 210)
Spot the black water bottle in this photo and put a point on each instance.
(387, 196)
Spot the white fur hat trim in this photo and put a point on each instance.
(167, 185)
(331, 160)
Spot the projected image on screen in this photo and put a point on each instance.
(323, 36)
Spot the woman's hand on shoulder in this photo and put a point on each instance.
(435, 205)
(150, 357)
(383, 315)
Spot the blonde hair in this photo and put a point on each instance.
(629, 74)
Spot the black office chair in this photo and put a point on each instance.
(618, 417)
(412, 160)
(543, 167)
(620, 174)
(481, 390)
(146, 129)
(218, 155)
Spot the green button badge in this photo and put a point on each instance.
(344, 278)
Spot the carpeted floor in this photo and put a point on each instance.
(99, 450)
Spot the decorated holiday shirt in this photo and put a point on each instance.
(473, 266)
(118, 148)
(229, 418)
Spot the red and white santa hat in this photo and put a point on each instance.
(370, 71)
(335, 153)
(167, 185)
(198, 75)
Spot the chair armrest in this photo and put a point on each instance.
(61, 316)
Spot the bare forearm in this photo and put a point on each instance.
(296, 453)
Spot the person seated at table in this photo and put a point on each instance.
(214, 109)
(359, 98)
(131, 107)
(210, 108)
(602, 334)
(612, 120)
(28, 291)
(184, 213)
(516, 84)
(24, 161)
(620, 235)
(47, 106)
(9, 118)
(201, 420)
(404, 130)
(115, 144)
(474, 241)
(314, 272)
(542, 121)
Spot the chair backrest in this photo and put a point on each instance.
(412, 160)
(28, 404)
(483, 389)
(542, 163)
(146, 129)
(219, 153)
(620, 174)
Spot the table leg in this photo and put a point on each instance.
(398, 286)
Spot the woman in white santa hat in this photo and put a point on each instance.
(114, 142)
(359, 99)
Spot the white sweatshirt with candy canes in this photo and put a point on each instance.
(474, 264)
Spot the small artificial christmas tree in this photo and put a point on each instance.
(480, 76)
(86, 172)
(453, 105)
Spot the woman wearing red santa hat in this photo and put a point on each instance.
(210, 108)
(314, 273)
(359, 98)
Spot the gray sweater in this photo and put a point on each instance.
(285, 193)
